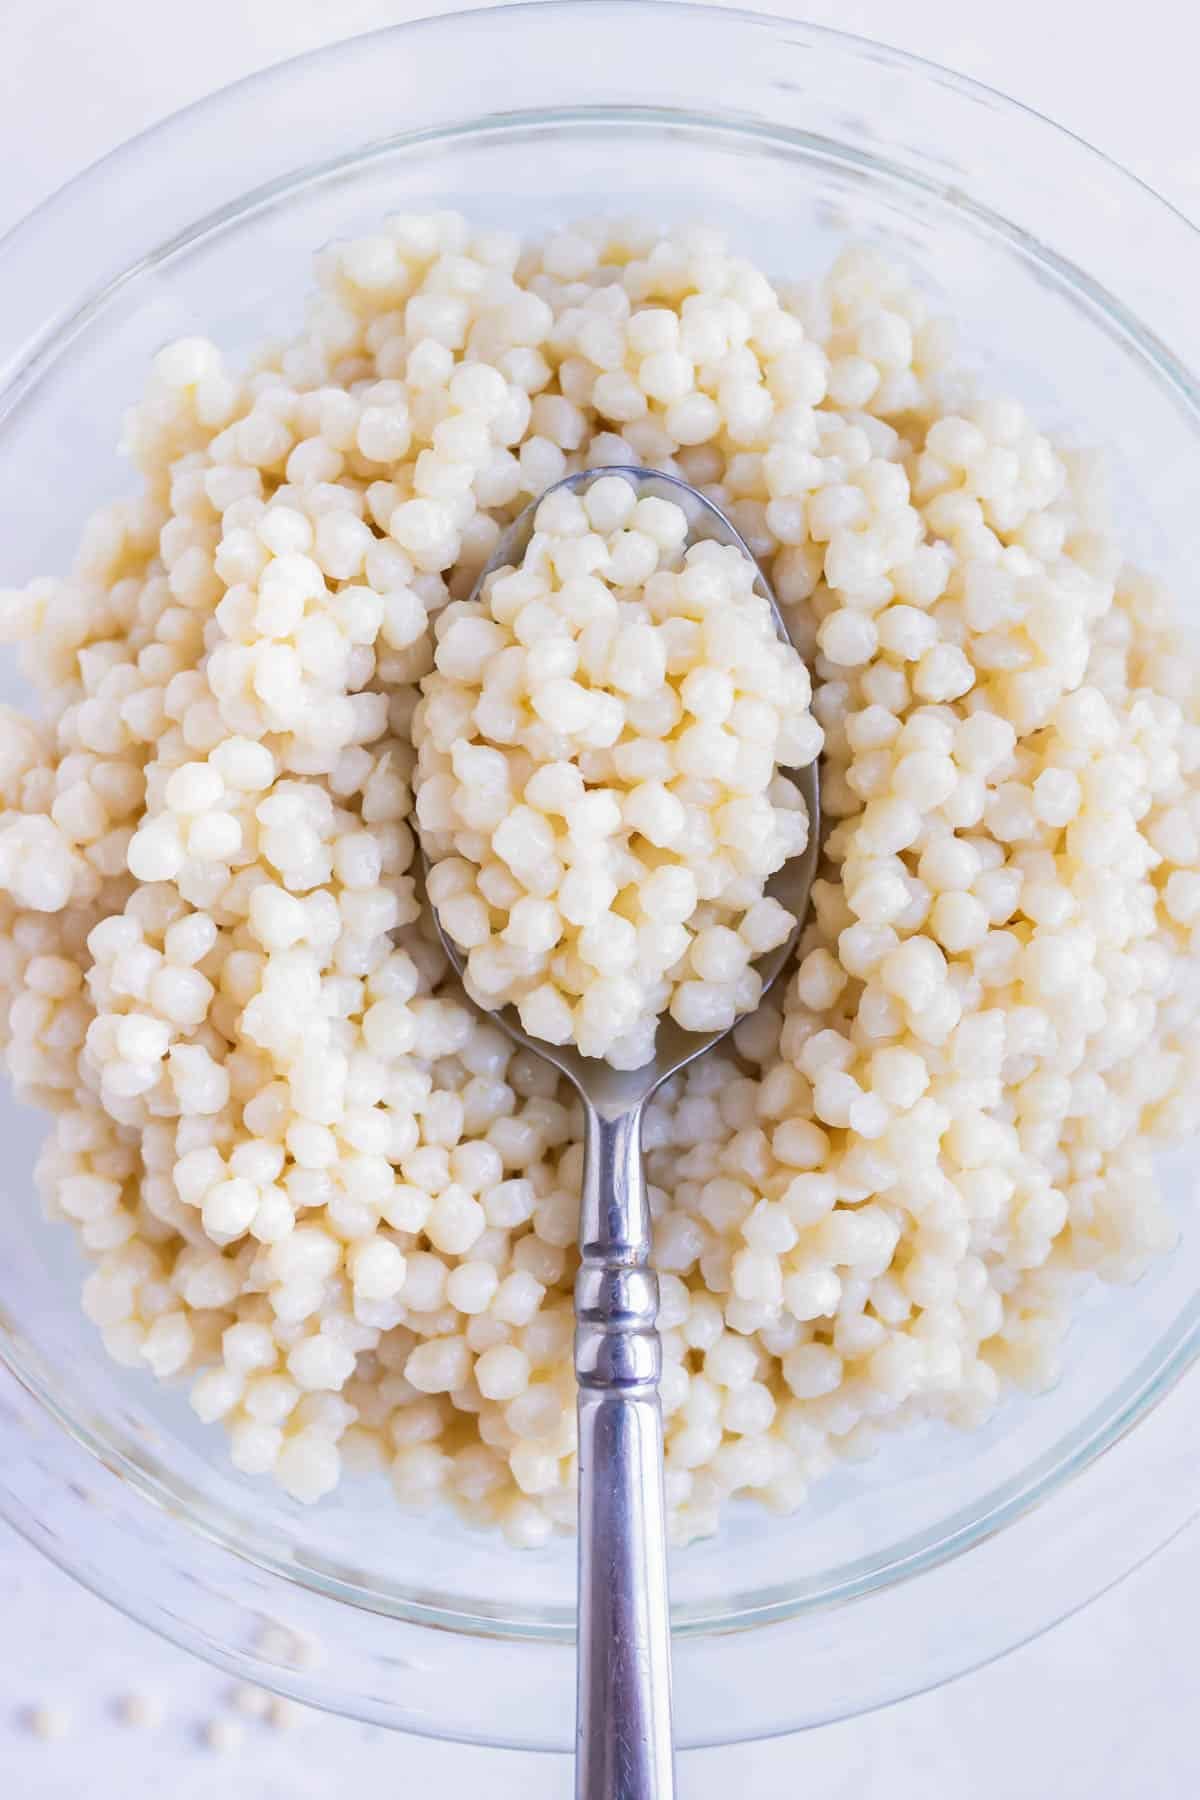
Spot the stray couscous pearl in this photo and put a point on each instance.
(49, 1720)
(311, 1180)
(284, 1714)
(141, 1711)
(252, 1702)
(222, 1735)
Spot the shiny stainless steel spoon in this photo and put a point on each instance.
(623, 1727)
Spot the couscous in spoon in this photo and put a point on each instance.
(623, 1726)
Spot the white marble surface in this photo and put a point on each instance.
(1104, 1706)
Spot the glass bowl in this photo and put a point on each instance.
(1079, 285)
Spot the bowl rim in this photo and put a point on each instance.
(880, 51)
(22, 371)
(17, 365)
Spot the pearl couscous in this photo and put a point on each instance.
(314, 1183)
(596, 781)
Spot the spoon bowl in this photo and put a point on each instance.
(610, 1090)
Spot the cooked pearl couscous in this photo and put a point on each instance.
(597, 782)
(313, 1182)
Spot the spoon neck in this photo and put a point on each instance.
(614, 1214)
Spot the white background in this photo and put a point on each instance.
(1103, 1707)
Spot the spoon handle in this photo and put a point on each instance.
(623, 1744)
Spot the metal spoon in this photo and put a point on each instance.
(623, 1726)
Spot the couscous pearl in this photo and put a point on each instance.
(142, 1711)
